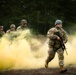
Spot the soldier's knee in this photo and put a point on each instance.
(51, 57)
(61, 57)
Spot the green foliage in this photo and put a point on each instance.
(40, 14)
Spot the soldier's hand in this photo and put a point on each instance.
(58, 38)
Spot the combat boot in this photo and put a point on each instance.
(63, 70)
(46, 64)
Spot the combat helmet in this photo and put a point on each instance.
(58, 22)
(23, 21)
(12, 26)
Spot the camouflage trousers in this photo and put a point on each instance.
(51, 55)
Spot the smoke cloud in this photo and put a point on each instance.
(22, 50)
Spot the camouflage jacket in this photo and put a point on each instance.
(9, 31)
(52, 36)
(11, 34)
(21, 28)
(2, 33)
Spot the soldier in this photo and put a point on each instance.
(12, 32)
(23, 25)
(12, 28)
(1, 31)
(55, 44)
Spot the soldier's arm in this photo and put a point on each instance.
(8, 31)
(51, 35)
(65, 37)
(3, 32)
(18, 28)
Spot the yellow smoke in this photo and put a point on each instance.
(27, 51)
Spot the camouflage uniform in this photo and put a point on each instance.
(23, 25)
(52, 47)
(1, 31)
(12, 32)
(21, 28)
(12, 28)
(24, 29)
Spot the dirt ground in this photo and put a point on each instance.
(42, 71)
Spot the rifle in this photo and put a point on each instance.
(62, 45)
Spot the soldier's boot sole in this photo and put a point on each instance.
(63, 71)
